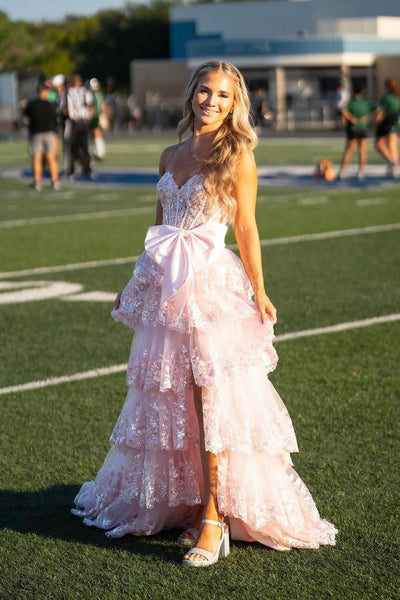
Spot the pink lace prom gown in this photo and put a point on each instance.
(189, 302)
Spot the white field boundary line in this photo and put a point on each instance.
(34, 385)
(327, 235)
(77, 217)
(91, 264)
(308, 237)
(338, 327)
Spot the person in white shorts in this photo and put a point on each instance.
(41, 117)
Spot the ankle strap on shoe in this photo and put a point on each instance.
(210, 522)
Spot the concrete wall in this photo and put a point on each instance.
(386, 67)
(8, 96)
(8, 102)
(164, 77)
(381, 27)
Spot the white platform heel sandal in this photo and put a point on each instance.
(211, 558)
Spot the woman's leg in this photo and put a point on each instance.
(362, 156)
(209, 534)
(381, 144)
(348, 151)
(51, 161)
(99, 144)
(37, 168)
(394, 148)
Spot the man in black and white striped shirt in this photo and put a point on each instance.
(77, 105)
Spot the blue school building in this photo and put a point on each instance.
(297, 52)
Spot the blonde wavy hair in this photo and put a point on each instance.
(233, 137)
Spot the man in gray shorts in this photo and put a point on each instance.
(41, 115)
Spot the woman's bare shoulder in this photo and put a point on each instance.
(247, 157)
(246, 163)
(167, 156)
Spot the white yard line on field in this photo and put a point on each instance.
(91, 264)
(34, 385)
(313, 201)
(338, 327)
(308, 237)
(327, 235)
(79, 217)
(370, 201)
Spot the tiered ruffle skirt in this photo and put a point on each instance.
(152, 477)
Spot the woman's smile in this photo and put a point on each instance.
(213, 100)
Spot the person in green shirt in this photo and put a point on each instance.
(356, 114)
(387, 126)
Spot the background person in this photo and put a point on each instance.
(77, 105)
(65, 126)
(41, 115)
(203, 437)
(341, 99)
(55, 95)
(387, 126)
(52, 96)
(135, 113)
(99, 121)
(259, 108)
(356, 115)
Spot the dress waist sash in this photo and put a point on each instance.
(183, 252)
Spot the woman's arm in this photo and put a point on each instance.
(246, 233)
(348, 116)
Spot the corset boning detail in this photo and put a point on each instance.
(185, 206)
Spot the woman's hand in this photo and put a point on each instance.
(266, 308)
(117, 301)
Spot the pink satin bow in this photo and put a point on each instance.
(183, 252)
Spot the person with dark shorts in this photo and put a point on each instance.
(41, 116)
(356, 115)
(388, 126)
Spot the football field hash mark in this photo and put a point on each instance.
(100, 372)
(308, 237)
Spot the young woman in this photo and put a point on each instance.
(203, 440)
(356, 114)
(387, 128)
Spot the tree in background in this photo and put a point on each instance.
(101, 45)
(18, 45)
(114, 37)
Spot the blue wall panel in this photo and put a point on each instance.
(180, 33)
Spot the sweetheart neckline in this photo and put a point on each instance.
(180, 187)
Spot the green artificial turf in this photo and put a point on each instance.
(141, 150)
(341, 389)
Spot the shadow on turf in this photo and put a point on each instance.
(47, 513)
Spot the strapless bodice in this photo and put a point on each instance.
(186, 206)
